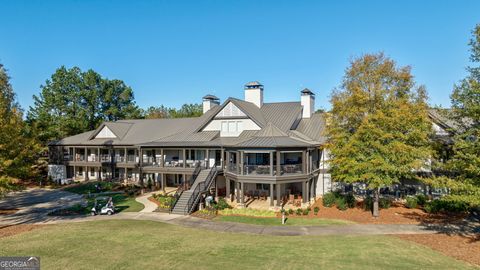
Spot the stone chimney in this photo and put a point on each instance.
(209, 102)
(307, 99)
(254, 93)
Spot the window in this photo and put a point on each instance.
(231, 128)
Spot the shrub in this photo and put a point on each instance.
(368, 203)
(222, 204)
(299, 211)
(350, 200)
(384, 203)
(306, 211)
(290, 211)
(329, 199)
(442, 205)
(411, 202)
(341, 203)
(421, 199)
(315, 210)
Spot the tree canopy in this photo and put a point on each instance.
(72, 101)
(19, 151)
(187, 110)
(378, 127)
(464, 165)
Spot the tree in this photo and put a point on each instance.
(464, 165)
(72, 101)
(19, 152)
(378, 130)
(187, 110)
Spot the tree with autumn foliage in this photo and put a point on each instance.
(19, 150)
(378, 130)
(463, 167)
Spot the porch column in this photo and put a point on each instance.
(271, 195)
(308, 191)
(97, 159)
(125, 155)
(279, 169)
(86, 173)
(304, 161)
(271, 163)
(162, 160)
(227, 164)
(304, 192)
(74, 154)
(163, 182)
(126, 174)
(85, 158)
(207, 158)
(237, 154)
(279, 203)
(227, 188)
(237, 193)
(184, 160)
(74, 173)
(241, 163)
(140, 172)
(311, 162)
(222, 161)
(312, 189)
(242, 196)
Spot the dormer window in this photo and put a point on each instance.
(105, 133)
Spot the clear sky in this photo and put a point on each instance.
(175, 52)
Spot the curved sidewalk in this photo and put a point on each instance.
(148, 205)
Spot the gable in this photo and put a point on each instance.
(105, 133)
(230, 110)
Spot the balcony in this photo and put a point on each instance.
(256, 169)
(291, 169)
(105, 158)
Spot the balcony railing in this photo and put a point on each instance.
(256, 169)
(232, 167)
(105, 158)
(291, 168)
(119, 159)
(194, 163)
(92, 158)
(152, 161)
(79, 158)
(132, 159)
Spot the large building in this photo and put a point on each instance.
(238, 147)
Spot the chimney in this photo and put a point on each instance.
(308, 103)
(254, 93)
(210, 101)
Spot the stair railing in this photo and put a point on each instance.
(199, 189)
(186, 185)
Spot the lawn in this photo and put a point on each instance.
(278, 221)
(133, 244)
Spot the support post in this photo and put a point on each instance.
(184, 160)
(125, 155)
(271, 163)
(279, 169)
(304, 161)
(304, 192)
(162, 160)
(271, 195)
(241, 163)
(242, 196)
(278, 195)
(227, 189)
(222, 161)
(237, 193)
(227, 164)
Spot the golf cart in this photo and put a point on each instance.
(103, 206)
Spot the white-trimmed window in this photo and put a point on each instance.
(231, 128)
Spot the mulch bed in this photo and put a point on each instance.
(17, 229)
(154, 201)
(397, 214)
(466, 248)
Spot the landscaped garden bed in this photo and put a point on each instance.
(163, 201)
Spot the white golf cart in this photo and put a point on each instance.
(103, 206)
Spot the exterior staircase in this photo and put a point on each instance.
(189, 199)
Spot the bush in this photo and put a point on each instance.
(422, 199)
(411, 202)
(341, 204)
(384, 203)
(290, 211)
(350, 200)
(329, 199)
(315, 210)
(306, 211)
(368, 204)
(299, 211)
(442, 205)
(222, 204)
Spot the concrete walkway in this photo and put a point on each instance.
(149, 206)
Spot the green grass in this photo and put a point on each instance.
(88, 187)
(126, 203)
(278, 221)
(247, 212)
(133, 244)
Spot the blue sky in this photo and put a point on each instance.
(175, 52)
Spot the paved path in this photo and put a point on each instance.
(149, 206)
(35, 203)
